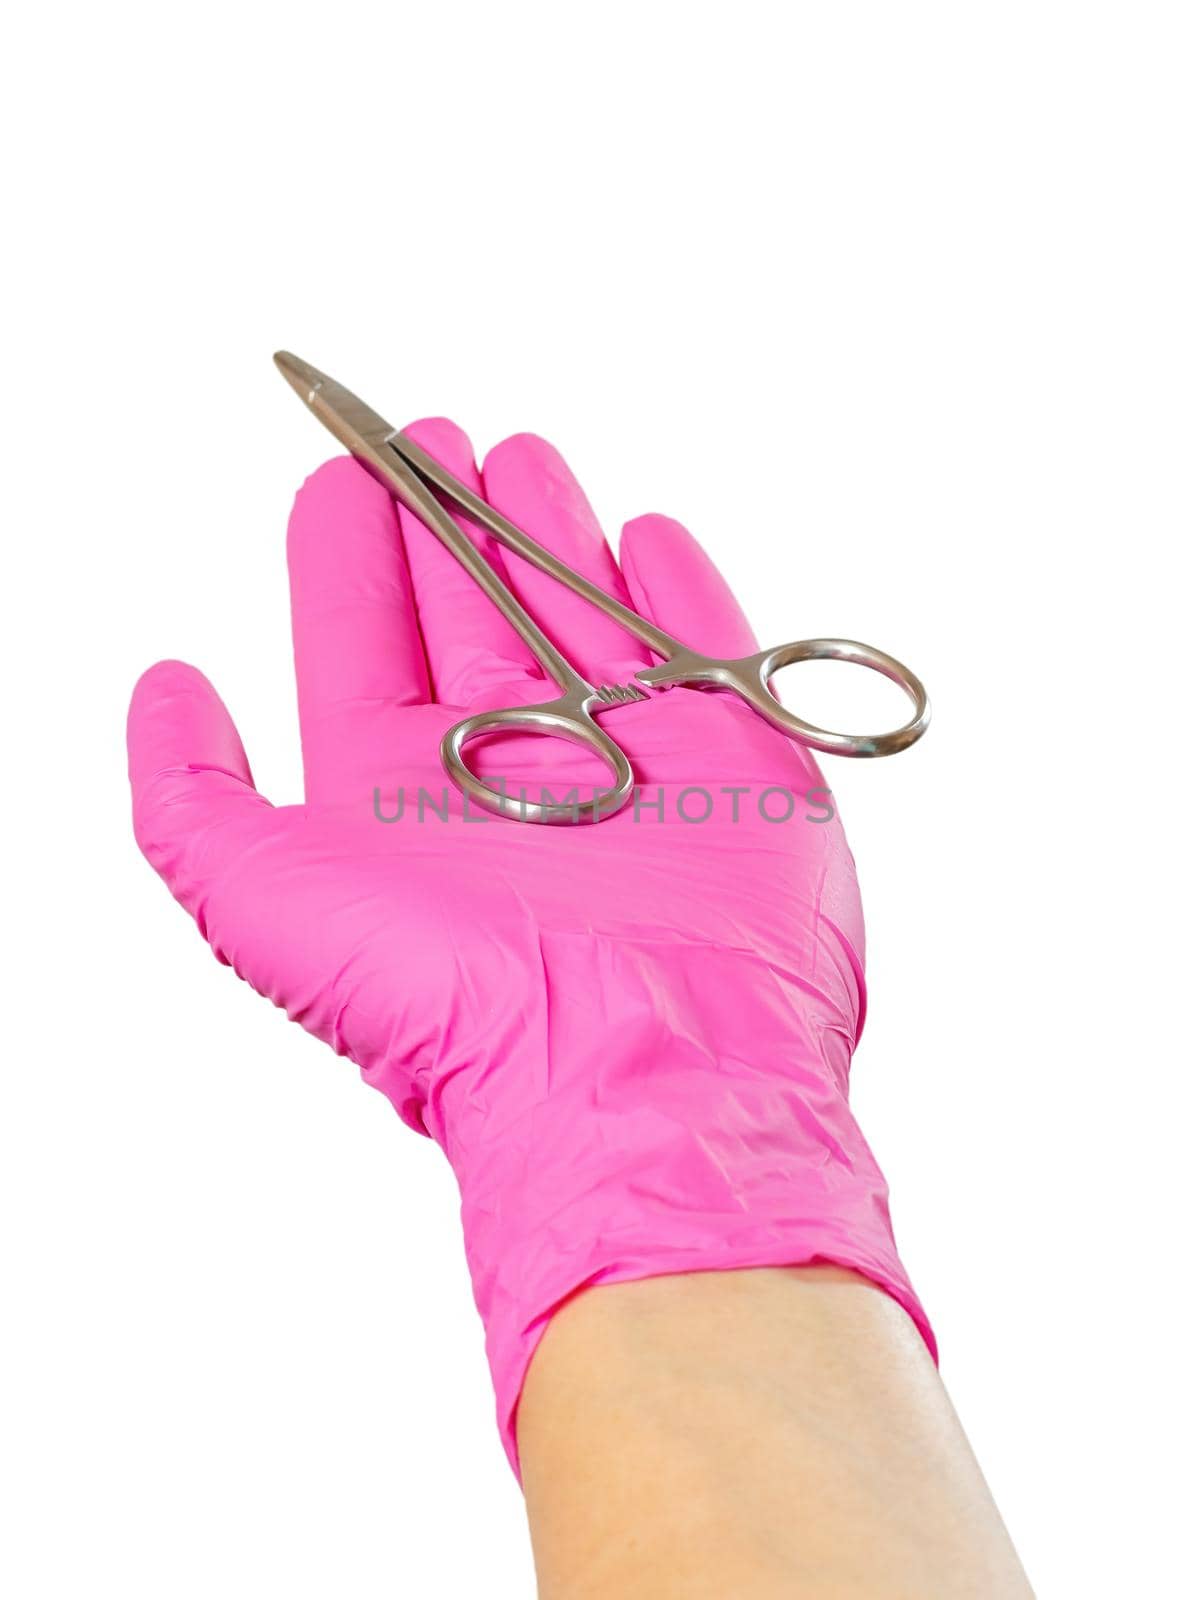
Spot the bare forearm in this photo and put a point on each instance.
(766, 1433)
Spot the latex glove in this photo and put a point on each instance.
(631, 1038)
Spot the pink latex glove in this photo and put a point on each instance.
(632, 1039)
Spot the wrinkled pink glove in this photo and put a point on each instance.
(632, 1039)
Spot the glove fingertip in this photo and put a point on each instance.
(446, 442)
(526, 451)
(338, 492)
(675, 583)
(529, 478)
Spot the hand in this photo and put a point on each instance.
(631, 1038)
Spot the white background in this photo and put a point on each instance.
(896, 306)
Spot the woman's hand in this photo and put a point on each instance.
(631, 1038)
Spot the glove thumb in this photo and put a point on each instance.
(195, 807)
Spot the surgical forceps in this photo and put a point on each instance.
(419, 482)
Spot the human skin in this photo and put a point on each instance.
(752, 1434)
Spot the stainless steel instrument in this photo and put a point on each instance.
(424, 486)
